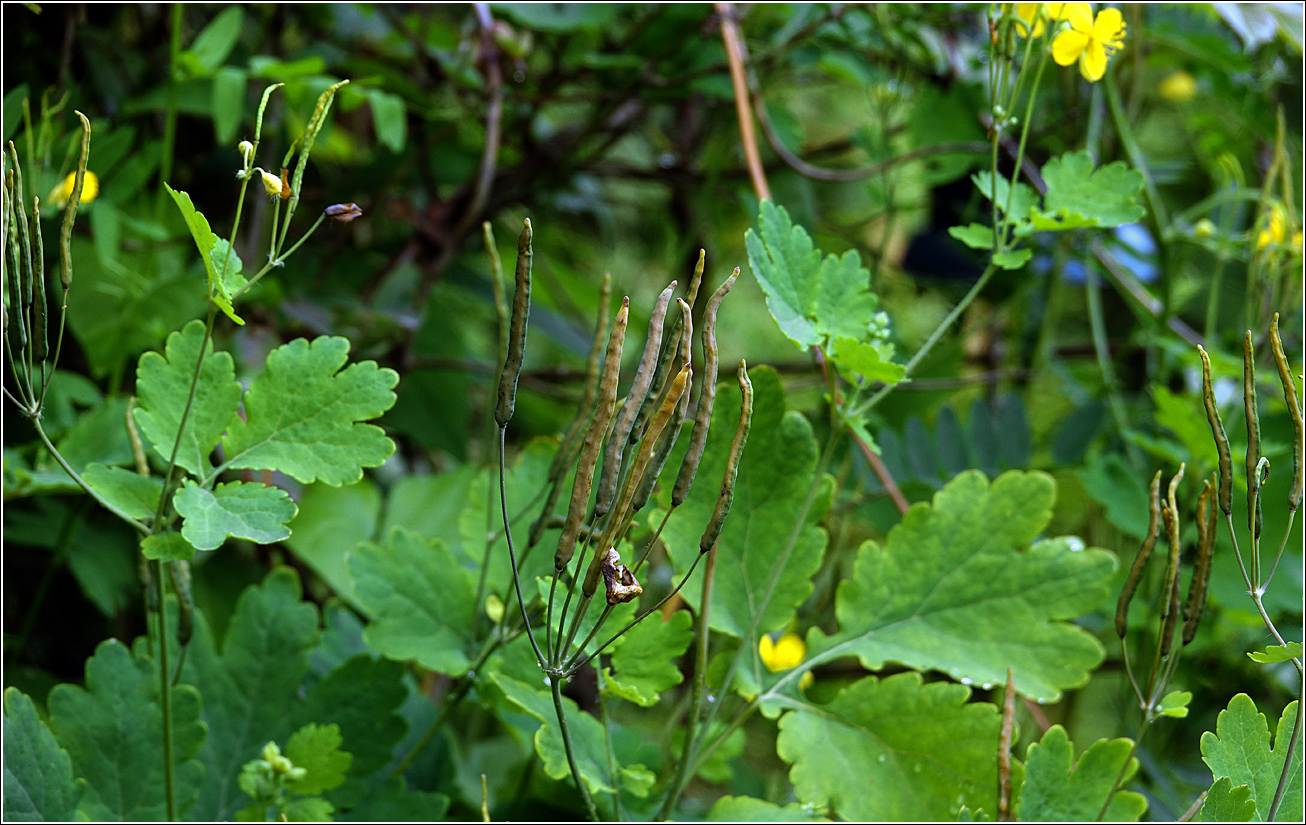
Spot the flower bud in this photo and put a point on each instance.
(271, 184)
(343, 212)
(1204, 229)
(246, 150)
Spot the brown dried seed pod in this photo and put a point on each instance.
(521, 312)
(670, 359)
(1140, 561)
(664, 452)
(1253, 438)
(1294, 409)
(580, 489)
(1225, 490)
(727, 495)
(703, 416)
(634, 399)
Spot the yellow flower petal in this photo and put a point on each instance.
(785, 654)
(1068, 46)
(1109, 27)
(1092, 63)
(1178, 87)
(60, 194)
(805, 681)
(1028, 14)
(1079, 15)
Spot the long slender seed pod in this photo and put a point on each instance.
(589, 454)
(670, 359)
(180, 573)
(703, 415)
(15, 269)
(663, 453)
(1206, 531)
(70, 210)
(569, 446)
(500, 294)
(1253, 438)
(1170, 592)
(634, 399)
(1140, 561)
(40, 344)
(727, 495)
(4, 243)
(521, 313)
(1294, 409)
(637, 470)
(1225, 490)
(24, 233)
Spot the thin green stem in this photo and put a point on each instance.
(165, 690)
(512, 553)
(1148, 718)
(88, 489)
(555, 685)
(607, 744)
(165, 496)
(1292, 515)
(1097, 323)
(278, 261)
(1287, 757)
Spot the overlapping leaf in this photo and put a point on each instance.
(205, 241)
(242, 509)
(132, 493)
(1240, 749)
(644, 661)
(895, 750)
(302, 414)
(775, 475)
(956, 589)
(1058, 788)
(748, 809)
(38, 775)
(1225, 803)
(332, 521)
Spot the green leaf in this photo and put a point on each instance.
(1059, 789)
(1079, 196)
(1013, 258)
(163, 385)
(39, 785)
(205, 241)
(167, 546)
(113, 732)
(1225, 803)
(866, 360)
(228, 102)
(434, 507)
(316, 749)
(975, 235)
(388, 801)
(301, 415)
(250, 683)
(99, 436)
(214, 43)
(308, 809)
(389, 118)
(716, 768)
(959, 587)
(134, 494)
(1114, 485)
(246, 510)
(1183, 415)
(332, 521)
(1022, 201)
(1240, 749)
(893, 749)
(1175, 703)
(812, 299)
(362, 697)
(644, 659)
(421, 600)
(747, 809)
(1277, 653)
(775, 474)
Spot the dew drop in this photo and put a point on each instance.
(881, 759)
(1075, 543)
(965, 680)
(711, 698)
(546, 681)
(987, 686)
(1041, 700)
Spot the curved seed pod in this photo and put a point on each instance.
(1170, 592)
(634, 400)
(570, 445)
(24, 233)
(500, 296)
(15, 267)
(4, 243)
(521, 313)
(1225, 490)
(703, 416)
(1202, 571)
(40, 346)
(727, 494)
(664, 452)
(70, 210)
(1140, 561)
(668, 354)
(180, 573)
(1294, 409)
(1253, 438)
(617, 523)
(589, 454)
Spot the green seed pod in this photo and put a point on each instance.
(1206, 530)
(634, 399)
(580, 490)
(180, 573)
(1170, 592)
(1294, 409)
(1253, 438)
(667, 356)
(70, 211)
(703, 416)
(664, 450)
(1140, 561)
(40, 344)
(521, 312)
(727, 494)
(1225, 491)
(500, 295)
(24, 234)
(15, 270)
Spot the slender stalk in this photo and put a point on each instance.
(555, 685)
(1148, 718)
(512, 553)
(88, 489)
(165, 496)
(165, 690)
(734, 46)
(1287, 757)
(607, 744)
(1097, 323)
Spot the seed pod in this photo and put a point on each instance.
(580, 489)
(1202, 571)
(1294, 409)
(180, 573)
(521, 312)
(40, 346)
(1253, 438)
(1225, 490)
(15, 267)
(703, 417)
(634, 399)
(669, 355)
(70, 211)
(727, 494)
(1170, 592)
(638, 467)
(1140, 561)
(500, 298)
(24, 236)
(650, 479)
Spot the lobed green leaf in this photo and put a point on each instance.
(1240, 750)
(1059, 788)
(245, 510)
(39, 785)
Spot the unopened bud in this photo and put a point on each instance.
(1204, 229)
(343, 212)
(246, 150)
(271, 184)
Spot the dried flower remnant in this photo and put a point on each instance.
(343, 212)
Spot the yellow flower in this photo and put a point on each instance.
(1034, 14)
(785, 654)
(1177, 87)
(1089, 40)
(1273, 233)
(271, 184)
(60, 194)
